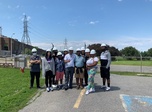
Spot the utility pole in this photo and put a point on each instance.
(85, 46)
(11, 43)
(65, 43)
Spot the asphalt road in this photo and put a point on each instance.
(127, 94)
(129, 68)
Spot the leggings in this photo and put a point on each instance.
(91, 74)
(48, 78)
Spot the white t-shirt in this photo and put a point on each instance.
(91, 60)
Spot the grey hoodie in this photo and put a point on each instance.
(48, 66)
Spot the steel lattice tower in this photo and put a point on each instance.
(25, 37)
(65, 44)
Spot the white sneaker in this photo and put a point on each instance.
(87, 92)
(51, 88)
(92, 90)
(103, 86)
(107, 88)
(47, 89)
(86, 87)
(54, 86)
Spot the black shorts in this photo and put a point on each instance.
(105, 72)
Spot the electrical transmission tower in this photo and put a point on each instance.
(65, 44)
(25, 37)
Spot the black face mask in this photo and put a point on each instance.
(55, 53)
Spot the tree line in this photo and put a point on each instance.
(128, 53)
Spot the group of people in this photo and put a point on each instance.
(82, 64)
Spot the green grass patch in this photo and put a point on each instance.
(131, 73)
(134, 63)
(14, 89)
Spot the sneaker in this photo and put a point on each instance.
(47, 89)
(77, 87)
(81, 87)
(70, 87)
(103, 86)
(58, 87)
(87, 92)
(92, 90)
(51, 88)
(85, 87)
(107, 88)
(54, 86)
(66, 88)
(38, 87)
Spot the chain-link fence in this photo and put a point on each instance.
(126, 64)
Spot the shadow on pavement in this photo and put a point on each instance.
(98, 88)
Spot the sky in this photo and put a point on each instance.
(118, 23)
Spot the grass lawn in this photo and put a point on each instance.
(135, 63)
(14, 89)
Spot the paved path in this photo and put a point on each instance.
(125, 96)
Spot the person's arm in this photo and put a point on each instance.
(38, 61)
(95, 62)
(66, 60)
(53, 66)
(43, 67)
(32, 61)
(109, 60)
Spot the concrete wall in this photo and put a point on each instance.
(17, 46)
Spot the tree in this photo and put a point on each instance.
(149, 52)
(130, 52)
(114, 51)
(27, 51)
(97, 47)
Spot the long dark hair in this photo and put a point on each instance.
(46, 55)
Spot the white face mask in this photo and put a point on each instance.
(34, 54)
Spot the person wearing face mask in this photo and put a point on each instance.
(48, 70)
(105, 60)
(35, 61)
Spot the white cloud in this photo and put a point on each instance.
(141, 44)
(93, 22)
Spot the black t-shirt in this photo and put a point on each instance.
(35, 67)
